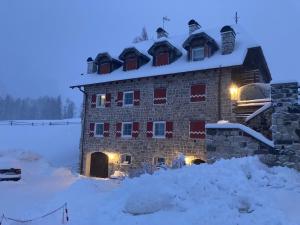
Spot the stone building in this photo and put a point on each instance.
(148, 103)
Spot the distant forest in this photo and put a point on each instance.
(46, 108)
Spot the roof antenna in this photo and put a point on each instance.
(236, 18)
(165, 19)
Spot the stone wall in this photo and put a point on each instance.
(178, 109)
(225, 142)
(286, 124)
(262, 123)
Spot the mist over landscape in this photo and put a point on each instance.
(44, 44)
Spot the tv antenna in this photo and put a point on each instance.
(236, 18)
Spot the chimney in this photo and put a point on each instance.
(161, 33)
(228, 40)
(193, 25)
(91, 66)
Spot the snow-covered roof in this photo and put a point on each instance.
(243, 42)
(242, 127)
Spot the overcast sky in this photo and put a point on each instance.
(44, 44)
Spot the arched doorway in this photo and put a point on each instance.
(99, 165)
(197, 161)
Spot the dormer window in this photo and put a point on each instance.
(162, 58)
(131, 63)
(198, 54)
(104, 68)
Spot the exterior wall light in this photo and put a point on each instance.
(189, 160)
(113, 157)
(234, 90)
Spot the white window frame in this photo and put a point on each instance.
(128, 92)
(95, 133)
(97, 100)
(159, 136)
(155, 160)
(195, 49)
(124, 162)
(126, 136)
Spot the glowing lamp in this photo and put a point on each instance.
(189, 160)
(234, 90)
(112, 157)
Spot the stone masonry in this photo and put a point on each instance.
(232, 142)
(286, 124)
(178, 109)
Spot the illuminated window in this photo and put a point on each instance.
(198, 54)
(100, 100)
(125, 159)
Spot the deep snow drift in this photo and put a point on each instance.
(237, 191)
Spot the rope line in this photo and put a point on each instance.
(65, 216)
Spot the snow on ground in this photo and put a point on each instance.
(238, 191)
(58, 144)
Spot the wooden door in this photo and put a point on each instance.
(99, 165)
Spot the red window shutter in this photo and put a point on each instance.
(162, 59)
(131, 63)
(93, 101)
(135, 130)
(137, 97)
(108, 100)
(118, 129)
(120, 99)
(150, 129)
(169, 129)
(160, 96)
(92, 129)
(104, 68)
(106, 130)
(197, 129)
(198, 92)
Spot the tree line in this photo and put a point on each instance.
(46, 108)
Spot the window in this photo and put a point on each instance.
(100, 102)
(198, 93)
(197, 129)
(99, 130)
(125, 159)
(198, 54)
(127, 129)
(162, 59)
(159, 161)
(159, 129)
(160, 96)
(131, 63)
(128, 98)
(104, 68)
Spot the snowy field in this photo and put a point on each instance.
(229, 192)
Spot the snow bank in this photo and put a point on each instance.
(237, 191)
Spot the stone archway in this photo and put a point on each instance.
(198, 161)
(99, 165)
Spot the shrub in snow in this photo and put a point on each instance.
(179, 162)
(29, 156)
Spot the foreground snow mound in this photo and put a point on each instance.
(237, 191)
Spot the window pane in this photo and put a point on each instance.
(127, 128)
(99, 129)
(128, 98)
(159, 129)
(198, 54)
(126, 159)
